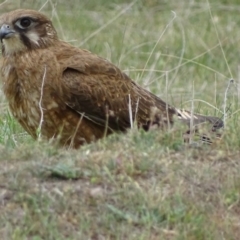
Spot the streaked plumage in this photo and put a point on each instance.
(70, 93)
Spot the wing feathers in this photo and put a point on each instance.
(101, 92)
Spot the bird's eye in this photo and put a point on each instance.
(25, 22)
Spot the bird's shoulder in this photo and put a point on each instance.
(85, 62)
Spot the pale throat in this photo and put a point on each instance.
(13, 45)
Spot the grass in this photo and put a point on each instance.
(136, 185)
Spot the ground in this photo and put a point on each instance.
(136, 185)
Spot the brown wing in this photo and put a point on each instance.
(102, 93)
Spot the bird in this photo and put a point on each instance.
(70, 95)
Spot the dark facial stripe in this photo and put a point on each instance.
(26, 41)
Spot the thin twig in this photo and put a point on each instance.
(231, 81)
(200, 100)
(55, 14)
(180, 58)
(106, 122)
(136, 110)
(168, 122)
(160, 37)
(3, 3)
(75, 132)
(108, 23)
(184, 63)
(41, 8)
(192, 114)
(220, 44)
(40, 104)
(130, 110)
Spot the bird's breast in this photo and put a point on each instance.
(29, 96)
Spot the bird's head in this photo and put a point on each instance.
(23, 29)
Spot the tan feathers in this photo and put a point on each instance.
(70, 93)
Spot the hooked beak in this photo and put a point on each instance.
(6, 32)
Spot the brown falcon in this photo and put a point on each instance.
(63, 92)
